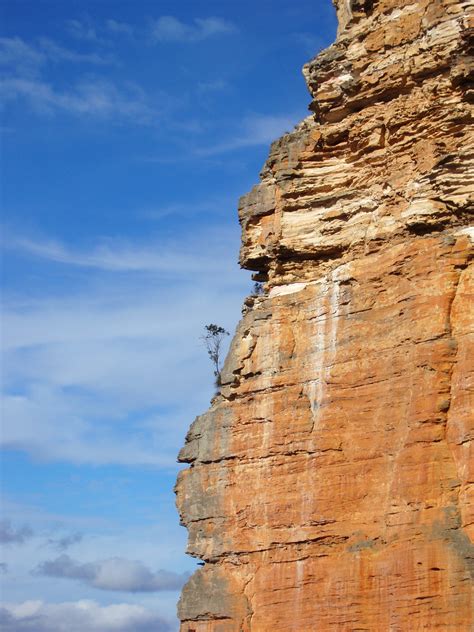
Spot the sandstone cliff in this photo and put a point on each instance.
(331, 484)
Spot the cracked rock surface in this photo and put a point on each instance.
(331, 483)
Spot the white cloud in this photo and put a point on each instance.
(68, 432)
(122, 257)
(21, 59)
(26, 67)
(97, 98)
(258, 129)
(94, 366)
(83, 30)
(115, 574)
(56, 53)
(212, 86)
(169, 29)
(80, 616)
(218, 205)
(150, 533)
(121, 28)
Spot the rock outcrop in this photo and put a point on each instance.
(331, 483)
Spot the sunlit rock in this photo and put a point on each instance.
(331, 482)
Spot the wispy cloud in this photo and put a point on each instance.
(57, 53)
(68, 431)
(80, 616)
(25, 65)
(218, 206)
(95, 366)
(18, 57)
(170, 29)
(116, 574)
(83, 30)
(21, 59)
(97, 98)
(26, 78)
(14, 535)
(122, 257)
(66, 541)
(120, 28)
(212, 86)
(257, 129)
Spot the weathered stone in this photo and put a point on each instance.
(214, 596)
(331, 483)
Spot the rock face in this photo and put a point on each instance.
(331, 483)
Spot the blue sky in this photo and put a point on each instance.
(129, 130)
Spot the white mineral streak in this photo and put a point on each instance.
(343, 78)
(299, 577)
(325, 344)
(316, 383)
(469, 231)
(398, 13)
(265, 412)
(307, 501)
(291, 288)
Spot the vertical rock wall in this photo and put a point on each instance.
(331, 482)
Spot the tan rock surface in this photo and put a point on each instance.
(331, 484)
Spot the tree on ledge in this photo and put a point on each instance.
(213, 339)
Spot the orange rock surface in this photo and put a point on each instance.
(331, 483)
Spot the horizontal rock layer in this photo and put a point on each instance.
(331, 483)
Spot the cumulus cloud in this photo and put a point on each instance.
(80, 616)
(169, 29)
(14, 535)
(116, 573)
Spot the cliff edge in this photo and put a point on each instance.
(331, 483)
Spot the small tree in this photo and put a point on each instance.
(213, 339)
